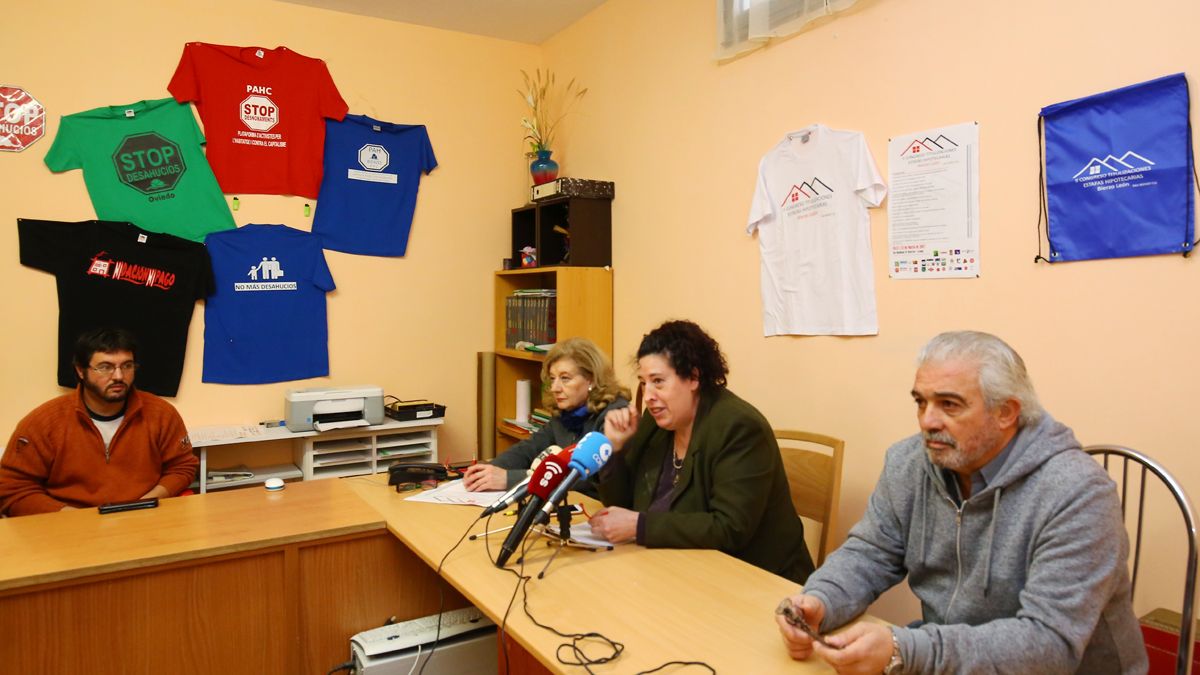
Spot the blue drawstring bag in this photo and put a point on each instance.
(1118, 178)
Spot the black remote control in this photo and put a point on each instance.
(130, 506)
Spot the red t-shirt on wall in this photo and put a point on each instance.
(263, 112)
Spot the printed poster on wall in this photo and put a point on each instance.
(933, 209)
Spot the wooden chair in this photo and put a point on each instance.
(815, 480)
(1133, 503)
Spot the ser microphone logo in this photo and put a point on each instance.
(551, 471)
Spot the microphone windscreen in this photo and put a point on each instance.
(591, 453)
(553, 449)
(548, 475)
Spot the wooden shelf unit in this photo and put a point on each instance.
(565, 231)
(359, 452)
(330, 454)
(584, 309)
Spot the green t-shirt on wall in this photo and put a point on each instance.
(143, 163)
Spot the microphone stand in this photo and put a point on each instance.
(563, 513)
(519, 504)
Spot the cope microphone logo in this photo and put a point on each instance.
(602, 455)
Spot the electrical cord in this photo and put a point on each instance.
(347, 666)
(581, 658)
(442, 599)
(521, 578)
(575, 646)
(576, 656)
(680, 663)
(417, 660)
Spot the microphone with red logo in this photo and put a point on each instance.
(591, 452)
(543, 481)
(518, 491)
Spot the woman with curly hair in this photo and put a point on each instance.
(701, 468)
(580, 389)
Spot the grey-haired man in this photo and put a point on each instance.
(1010, 536)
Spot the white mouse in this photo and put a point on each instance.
(273, 484)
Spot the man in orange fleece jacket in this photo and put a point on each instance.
(106, 442)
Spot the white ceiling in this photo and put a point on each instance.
(529, 21)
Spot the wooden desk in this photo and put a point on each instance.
(242, 581)
(663, 604)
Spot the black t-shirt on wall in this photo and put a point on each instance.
(113, 274)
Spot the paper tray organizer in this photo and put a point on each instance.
(405, 411)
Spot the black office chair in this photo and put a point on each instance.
(1142, 465)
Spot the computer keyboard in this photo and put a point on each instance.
(420, 631)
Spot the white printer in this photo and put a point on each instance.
(325, 408)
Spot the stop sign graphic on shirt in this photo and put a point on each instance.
(149, 163)
(373, 157)
(22, 119)
(259, 113)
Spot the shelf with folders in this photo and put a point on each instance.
(530, 315)
(583, 308)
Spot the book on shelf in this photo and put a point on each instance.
(234, 473)
(530, 315)
(524, 426)
(514, 428)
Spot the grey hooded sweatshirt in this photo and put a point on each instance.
(1029, 575)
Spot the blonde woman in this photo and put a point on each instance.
(580, 390)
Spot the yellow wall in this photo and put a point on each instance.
(1110, 344)
(412, 324)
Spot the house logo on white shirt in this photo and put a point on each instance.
(806, 190)
(808, 199)
(263, 277)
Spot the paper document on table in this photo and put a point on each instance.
(343, 424)
(581, 533)
(224, 432)
(453, 492)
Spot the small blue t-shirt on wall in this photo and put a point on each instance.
(369, 190)
(266, 320)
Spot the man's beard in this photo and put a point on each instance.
(950, 457)
(957, 458)
(108, 392)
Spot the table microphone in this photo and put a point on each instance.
(518, 491)
(543, 481)
(591, 453)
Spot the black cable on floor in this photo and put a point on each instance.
(442, 599)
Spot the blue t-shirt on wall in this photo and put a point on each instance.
(266, 320)
(369, 190)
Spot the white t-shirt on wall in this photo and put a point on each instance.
(814, 233)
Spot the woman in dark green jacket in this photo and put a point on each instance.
(701, 468)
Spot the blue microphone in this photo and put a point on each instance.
(591, 453)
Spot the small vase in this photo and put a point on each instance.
(543, 169)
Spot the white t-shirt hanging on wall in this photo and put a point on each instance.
(814, 233)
